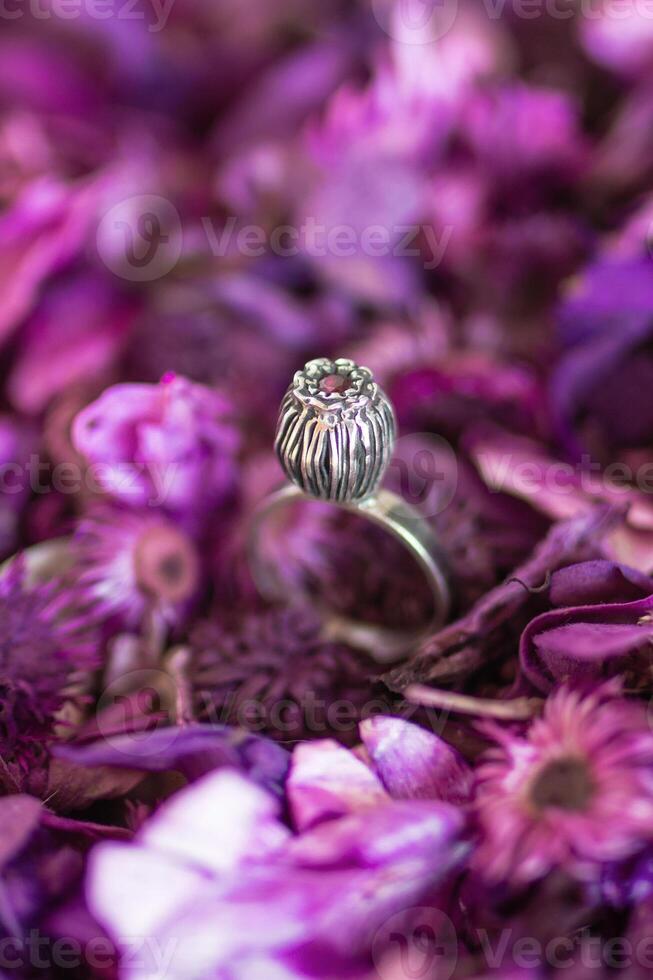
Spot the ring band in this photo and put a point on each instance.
(334, 440)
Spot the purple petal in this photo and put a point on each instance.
(83, 831)
(19, 818)
(413, 763)
(598, 581)
(390, 832)
(589, 378)
(44, 229)
(72, 787)
(75, 335)
(590, 641)
(206, 830)
(194, 751)
(583, 642)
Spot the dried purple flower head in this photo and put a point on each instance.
(41, 654)
(172, 445)
(129, 562)
(274, 672)
(575, 791)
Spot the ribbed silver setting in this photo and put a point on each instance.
(335, 444)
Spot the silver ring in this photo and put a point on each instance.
(335, 438)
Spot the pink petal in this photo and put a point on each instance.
(216, 823)
(327, 781)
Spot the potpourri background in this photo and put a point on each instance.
(196, 198)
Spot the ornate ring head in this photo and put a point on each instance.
(336, 431)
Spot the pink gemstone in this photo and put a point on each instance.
(335, 382)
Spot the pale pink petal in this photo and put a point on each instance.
(326, 781)
(216, 823)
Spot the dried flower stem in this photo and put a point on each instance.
(177, 663)
(517, 709)
(154, 634)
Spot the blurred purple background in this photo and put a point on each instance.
(197, 197)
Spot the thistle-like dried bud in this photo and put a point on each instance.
(336, 431)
